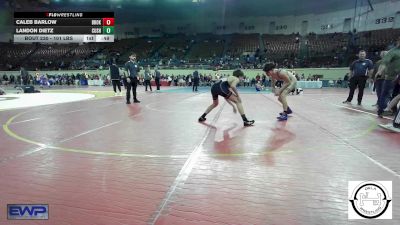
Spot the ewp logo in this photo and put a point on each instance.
(28, 212)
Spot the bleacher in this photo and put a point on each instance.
(320, 49)
(49, 52)
(119, 47)
(326, 44)
(176, 46)
(280, 46)
(241, 43)
(206, 48)
(378, 39)
(12, 54)
(144, 47)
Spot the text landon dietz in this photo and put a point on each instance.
(34, 30)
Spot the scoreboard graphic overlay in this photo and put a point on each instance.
(63, 27)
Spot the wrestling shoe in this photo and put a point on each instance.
(248, 123)
(282, 117)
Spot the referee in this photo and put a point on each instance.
(360, 70)
(132, 80)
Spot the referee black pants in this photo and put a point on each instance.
(158, 83)
(357, 82)
(132, 85)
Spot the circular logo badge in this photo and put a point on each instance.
(370, 200)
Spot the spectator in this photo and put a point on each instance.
(196, 80)
(5, 80)
(2, 92)
(115, 78)
(157, 76)
(346, 80)
(378, 80)
(147, 78)
(389, 68)
(392, 106)
(259, 86)
(24, 76)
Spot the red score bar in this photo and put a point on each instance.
(108, 21)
